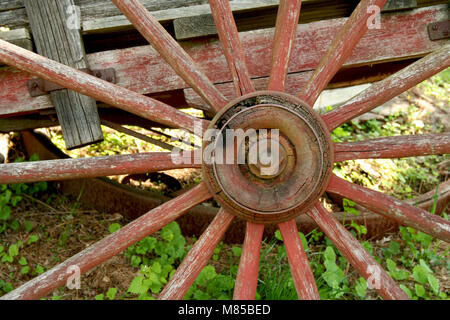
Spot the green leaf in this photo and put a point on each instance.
(33, 238)
(13, 250)
(15, 200)
(28, 226)
(25, 270)
(329, 254)
(424, 265)
(406, 290)
(400, 275)
(237, 251)
(111, 293)
(34, 157)
(278, 235)
(156, 287)
(304, 241)
(208, 273)
(394, 272)
(113, 227)
(5, 213)
(361, 287)
(156, 268)
(434, 283)
(100, 297)
(135, 261)
(200, 295)
(8, 287)
(391, 265)
(39, 269)
(394, 247)
(420, 274)
(7, 258)
(420, 290)
(137, 286)
(349, 207)
(23, 261)
(7, 196)
(14, 225)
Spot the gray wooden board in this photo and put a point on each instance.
(20, 37)
(77, 113)
(103, 16)
(202, 24)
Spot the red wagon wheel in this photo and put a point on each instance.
(304, 172)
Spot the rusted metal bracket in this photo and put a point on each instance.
(439, 30)
(38, 87)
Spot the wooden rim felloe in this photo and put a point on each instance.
(249, 103)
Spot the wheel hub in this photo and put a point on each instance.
(267, 157)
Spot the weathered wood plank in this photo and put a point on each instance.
(77, 113)
(10, 4)
(399, 5)
(102, 16)
(19, 37)
(142, 70)
(202, 24)
(13, 13)
(197, 14)
(141, 64)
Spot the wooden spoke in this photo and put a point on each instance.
(111, 245)
(393, 147)
(197, 258)
(229, 37)
(340, 49)
(300, 268)
(247, 277)
(96, 88)
(285, 32)
(66, 169)
(383, 91)
(392, 208)
(355, 253)
(171, 51)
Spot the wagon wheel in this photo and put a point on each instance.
(304, 170)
